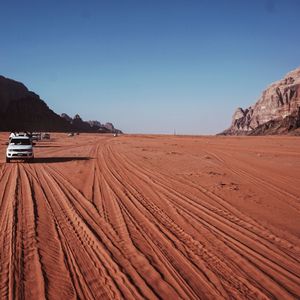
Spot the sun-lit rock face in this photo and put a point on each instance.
(279, 101)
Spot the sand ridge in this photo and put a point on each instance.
(152, 217)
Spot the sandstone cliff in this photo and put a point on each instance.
(277, 111)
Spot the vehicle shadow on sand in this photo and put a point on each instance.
(49, 160)
(46, 146)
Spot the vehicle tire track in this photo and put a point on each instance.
(293, 287)
(165, 222)
(137, 260)
(134, 231)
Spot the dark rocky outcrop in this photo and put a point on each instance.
(79, 125)
(23, 110)
(276, 111)
(95, 123)
(66, 117)
(89, 126)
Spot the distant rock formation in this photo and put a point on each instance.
(23, 110)
(95, 123)
(89, 126)
(276, 112)
(110, 127)
(66, 117)
(79, 125)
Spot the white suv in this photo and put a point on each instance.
(19, 147)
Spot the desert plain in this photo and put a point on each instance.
(151, 217)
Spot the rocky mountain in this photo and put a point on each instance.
(277, 111)
(66, 117)
(79, 125)
(89, 126)
(23, 110)
(110, 127)
(95, 123)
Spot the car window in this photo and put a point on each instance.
(15, 141)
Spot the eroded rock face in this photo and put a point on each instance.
(279, 101)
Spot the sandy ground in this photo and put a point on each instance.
(152, 217)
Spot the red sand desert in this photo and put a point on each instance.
(151, 217)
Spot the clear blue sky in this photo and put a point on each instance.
(150, 66)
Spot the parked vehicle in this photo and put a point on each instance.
(36, 136)
(22, 133)
(45, 136)
(19, 147)
(14, 134)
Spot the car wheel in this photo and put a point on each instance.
(7, 160)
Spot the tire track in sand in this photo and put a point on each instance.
(168, 251)
(83, 259)
(228, 211)
(8, 231)
(134, 233)
(144, 277)
(102, 250)
(21, 273)
(259, 255)
(256, 179)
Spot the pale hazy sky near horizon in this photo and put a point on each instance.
(150, 66)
